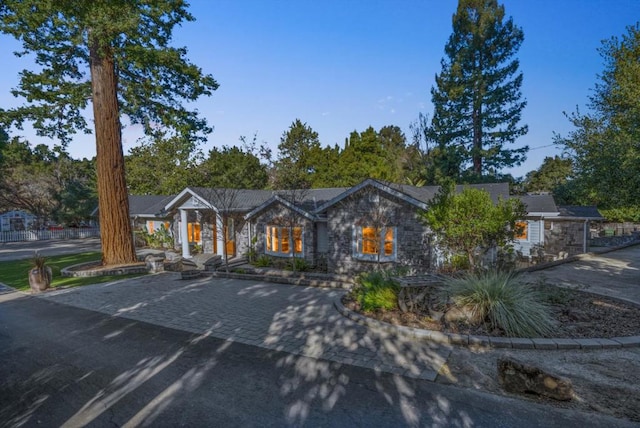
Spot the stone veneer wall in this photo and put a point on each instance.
(274, 216)
(413, 238)
(564, 236)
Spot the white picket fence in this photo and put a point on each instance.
(43, 235)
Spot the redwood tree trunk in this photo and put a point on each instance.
(113, 202)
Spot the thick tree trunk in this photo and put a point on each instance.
(113, 202)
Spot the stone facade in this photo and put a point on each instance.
(413, 240)
(564, 237)
(279, 215)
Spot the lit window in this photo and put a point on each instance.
(373, 243)
(151, 226)
(193, 232)
(522, 230)
(281, 240)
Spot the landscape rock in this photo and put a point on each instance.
(457, 314)
(188, 264)
(520, 378)
(154, 263)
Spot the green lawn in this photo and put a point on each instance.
(15, 273)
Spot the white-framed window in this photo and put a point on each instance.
(375, 243)
(284, 241)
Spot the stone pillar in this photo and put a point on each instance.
(184, 234)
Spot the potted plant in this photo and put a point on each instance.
(40, 274)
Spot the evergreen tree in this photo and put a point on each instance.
(295, 167)
(477, 99)
(176, 157)
(232, 167)
(364, 157)
(553, 173)
(117, 54)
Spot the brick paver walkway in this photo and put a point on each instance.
(297, 320)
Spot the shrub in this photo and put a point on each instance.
(503, 300)
(159, 239)
(376, 290)
(299, 265)
(263, 261)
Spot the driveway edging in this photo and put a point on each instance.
(487, 341)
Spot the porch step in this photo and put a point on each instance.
(216, 263)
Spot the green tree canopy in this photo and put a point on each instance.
(117, 54)
(363, 157)
(47, 183)
(174, 156)
(605, 144)
(296, 163)
(477, 98)
(469, 221)
(232, 167)
(553, 173)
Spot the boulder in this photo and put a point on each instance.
(520, 378)
(154, 263)
(460, 314)
(213, 263)
(188, 264)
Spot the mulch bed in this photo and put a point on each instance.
(578, 315)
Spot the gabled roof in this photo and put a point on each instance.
(147, 205)
(306, 201)
(417, 196)
(278, 199)
(580, 212)
(539, 204)
(144, 206)
(233, 199)
(389, 188)
(241, 200)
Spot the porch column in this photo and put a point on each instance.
(184, 234)
(220, 235)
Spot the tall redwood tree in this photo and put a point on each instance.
(117, 54)
(477, 99)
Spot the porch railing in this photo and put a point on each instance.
(43, 235)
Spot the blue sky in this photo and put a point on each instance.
(345, 65)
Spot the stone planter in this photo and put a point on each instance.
(40, 279)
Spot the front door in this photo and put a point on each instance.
(230, 238)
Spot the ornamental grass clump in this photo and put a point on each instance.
(376, 290)
(504, 301)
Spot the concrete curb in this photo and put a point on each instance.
(490, 342)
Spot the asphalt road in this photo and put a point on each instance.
(65, 366)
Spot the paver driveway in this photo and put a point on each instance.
(615, 274)
(298, 320)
